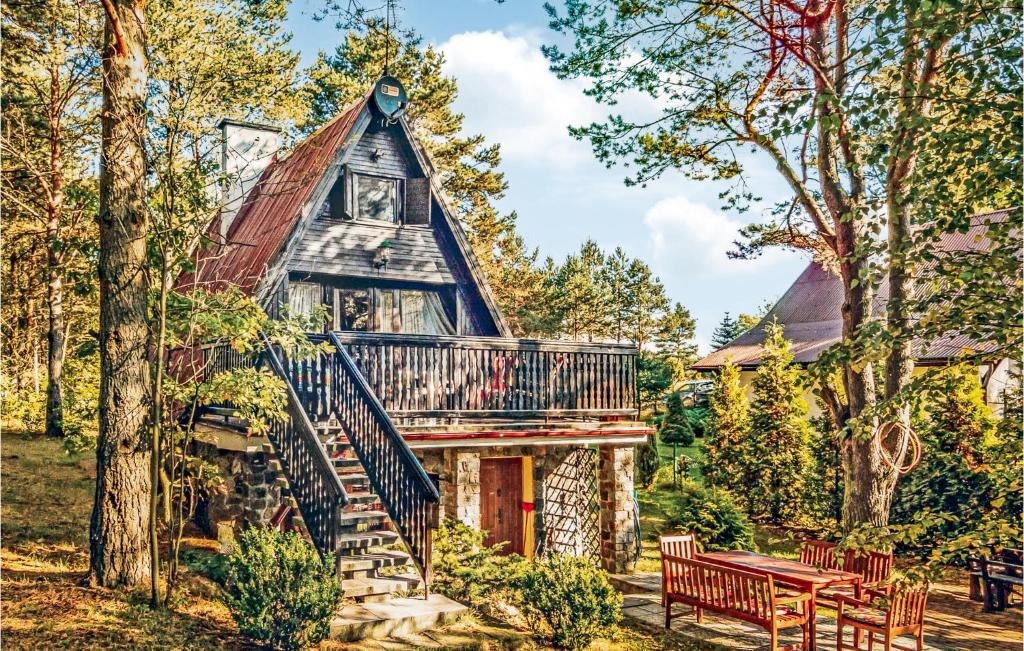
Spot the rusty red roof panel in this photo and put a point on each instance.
(272, 208)
(811, 311)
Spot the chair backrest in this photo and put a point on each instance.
(906, 607)
(750, 595)
(683, 545)
(819, 553)
(873, 567)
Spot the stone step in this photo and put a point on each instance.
(394, 617)
(356, 543)
(350, 566)
(379, 588)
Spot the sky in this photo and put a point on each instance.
(561, 193)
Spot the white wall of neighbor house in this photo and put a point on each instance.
(246, 151)
(995, 379)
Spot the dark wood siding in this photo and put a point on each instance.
(346, 248)
(393, 160)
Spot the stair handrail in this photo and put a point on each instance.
(418, 542)
(307, 430)
(323, 521)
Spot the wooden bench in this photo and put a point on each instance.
(998, 580)
(748, 596)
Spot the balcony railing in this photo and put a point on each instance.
(429, 376)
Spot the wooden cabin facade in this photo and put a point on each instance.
(428, 408)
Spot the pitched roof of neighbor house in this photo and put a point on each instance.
(273, 207)
(811, 312)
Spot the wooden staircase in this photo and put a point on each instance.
(371, 562)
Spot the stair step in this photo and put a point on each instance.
(362, 497)
(230, 412)
(379, 587)
(361, 518)
(394, 617)
(353, 478)
(372, 561)
(365, 539)
(342, 463)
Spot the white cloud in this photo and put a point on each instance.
(692, 239)
(507, 92)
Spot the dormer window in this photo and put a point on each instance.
(377, 197)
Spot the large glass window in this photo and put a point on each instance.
(351, 309)
(377, 198)
(423, 314)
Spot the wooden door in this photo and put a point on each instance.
(501, 502)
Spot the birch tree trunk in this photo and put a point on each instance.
(56, 338)
(118, 537)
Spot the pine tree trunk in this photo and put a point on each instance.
(120, 519)
(55, 283)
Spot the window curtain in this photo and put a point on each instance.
(423, 314)
(303, 298)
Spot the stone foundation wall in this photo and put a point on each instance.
(250, 495)
(618, 529)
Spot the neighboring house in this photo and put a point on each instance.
(429, 394)
(811, 315)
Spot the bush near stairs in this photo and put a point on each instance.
(280, 591)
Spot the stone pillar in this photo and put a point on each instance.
(618, 532)
(462, 500)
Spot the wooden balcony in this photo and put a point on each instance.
(453, 377)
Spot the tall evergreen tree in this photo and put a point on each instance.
(645, 303)
(674, 340)
(50, 101)
(675, 426)
(727, 433)
(118, 533)
(778, 455)
(725, 332)
(582, 296)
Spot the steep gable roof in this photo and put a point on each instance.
(274, 209)
(810, 312)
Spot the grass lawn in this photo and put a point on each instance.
(47, 499)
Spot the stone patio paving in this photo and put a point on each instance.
(953, 622)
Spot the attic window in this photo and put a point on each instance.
(378, 197)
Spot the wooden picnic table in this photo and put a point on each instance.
(791, 573)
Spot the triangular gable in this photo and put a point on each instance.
(285, 201)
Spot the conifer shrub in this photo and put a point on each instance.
(675, 427)
(711, 514)
(647, 463)
(569, 599)
(279, 590)
(727, 424)
(468, 571)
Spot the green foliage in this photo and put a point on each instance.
(712, 515)
(824, 483)
(779, 434)
(725, 332)
(674, 339)
(570, 599)
(727, 426)
(647, 463)
(280, 591)
(965, 462)
(698, 420)
(653, 379)
(675, 427)
(468, 571)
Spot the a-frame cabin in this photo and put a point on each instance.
(428, 408)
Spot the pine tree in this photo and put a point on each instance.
(727, 432)
(675, 427)
(726, 331)
(779, 433)
(581, 294)
(674, 339)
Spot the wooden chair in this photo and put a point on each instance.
(819, 553)
(874, 569)
(682, 545)
(748, 596)
(999, 578)
(903, 615)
